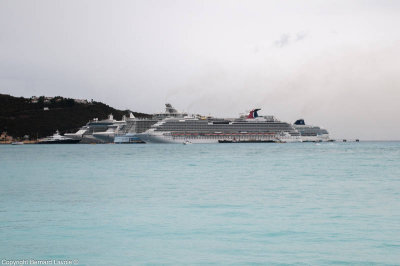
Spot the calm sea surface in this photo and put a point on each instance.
(333, 203)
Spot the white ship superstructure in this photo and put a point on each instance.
(311, 133)
(252, 128)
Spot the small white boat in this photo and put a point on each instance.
(57, 139)
(17, 143)
(186, 142)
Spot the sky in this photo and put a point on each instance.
(334, 63)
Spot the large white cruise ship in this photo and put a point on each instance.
(311, 133)
(253, 128)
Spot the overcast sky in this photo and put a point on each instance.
(333, 63)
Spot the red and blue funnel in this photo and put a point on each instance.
(253, 113)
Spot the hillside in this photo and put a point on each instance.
(29, 116)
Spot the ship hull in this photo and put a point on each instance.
(167, 138)
(318, 138)
(128, 139)
(150, 138)
(104, 137)
(69, 141)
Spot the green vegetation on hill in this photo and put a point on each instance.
(22, 116)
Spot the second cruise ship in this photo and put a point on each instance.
(311, 133)
(250, 128)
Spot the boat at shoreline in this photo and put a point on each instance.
(57, 139)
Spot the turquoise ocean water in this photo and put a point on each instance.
(333, 203)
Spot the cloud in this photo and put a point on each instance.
(283, 41)
(300, 36)
(287, 39)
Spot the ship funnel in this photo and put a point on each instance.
(299, 122)
(253, 113)
(111, 117)
(169, 109)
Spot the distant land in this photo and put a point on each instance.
(41, 116)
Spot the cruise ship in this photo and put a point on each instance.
(311, 133)
(98, 131)
(119, 131)
(128, 133)
(197, 129)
